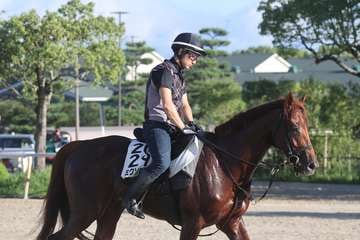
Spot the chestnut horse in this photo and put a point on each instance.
(85, 182)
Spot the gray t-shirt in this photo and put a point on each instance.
(166, 74)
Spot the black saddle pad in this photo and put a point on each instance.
(179, 141)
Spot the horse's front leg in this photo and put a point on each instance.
(235, 229)
(190, 230)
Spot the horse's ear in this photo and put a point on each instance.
(289, 99)
(303, 99)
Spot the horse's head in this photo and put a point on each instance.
(292, 136)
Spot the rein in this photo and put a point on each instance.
(292, 154)
(274, 169)
(239, 188)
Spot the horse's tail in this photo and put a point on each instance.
(56, 198)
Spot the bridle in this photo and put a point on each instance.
(293, 153)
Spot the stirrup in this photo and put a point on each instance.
(133, 209)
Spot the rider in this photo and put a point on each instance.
(166, 101)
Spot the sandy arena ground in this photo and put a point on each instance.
(291, 211)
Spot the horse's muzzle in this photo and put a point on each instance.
(304, 165)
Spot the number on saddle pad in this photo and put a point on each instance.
(137, 157)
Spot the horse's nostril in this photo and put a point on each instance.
(294, 159)
(312, 166)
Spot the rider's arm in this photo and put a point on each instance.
(169, 107)
(186, 109)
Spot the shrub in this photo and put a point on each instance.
(4, 174)
(39, 183)
(13, 185)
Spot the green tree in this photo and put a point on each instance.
(215, 100)
(354, 94)
(258, 92)
(284, 52)
(258, 49)
(214, 94)
(43, 51)
(340, 110)
(328, 28)
(314, 91)
(133, 101)
(62, 114)
(211, 39)
(16, 116)
(134, 52)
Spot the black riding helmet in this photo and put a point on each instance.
(189, 42)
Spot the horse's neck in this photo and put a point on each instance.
(250, 144)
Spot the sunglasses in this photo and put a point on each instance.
(193, 56)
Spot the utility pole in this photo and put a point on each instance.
(77, 109)
(77, 100)
(133, 67)
(119, 13)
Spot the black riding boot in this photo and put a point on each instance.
(134, 192)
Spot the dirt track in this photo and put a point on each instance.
(291, 211)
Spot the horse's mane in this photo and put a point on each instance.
(244, 119)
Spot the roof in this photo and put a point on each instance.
(90, 93)
(246, 61)
(302, 69)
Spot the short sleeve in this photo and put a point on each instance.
(162, 78)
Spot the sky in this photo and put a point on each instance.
(159, 21)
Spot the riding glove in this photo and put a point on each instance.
(196, 128)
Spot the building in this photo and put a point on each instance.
(253, 67)
(144, 68)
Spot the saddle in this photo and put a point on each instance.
(179, 141)
(163, 184)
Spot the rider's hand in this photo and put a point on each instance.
(188, 131)
(196, 128)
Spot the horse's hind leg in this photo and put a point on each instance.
(106, 224)
(72, 228)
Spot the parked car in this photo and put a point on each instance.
(13, 151)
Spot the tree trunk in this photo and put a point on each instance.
(43, 101)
